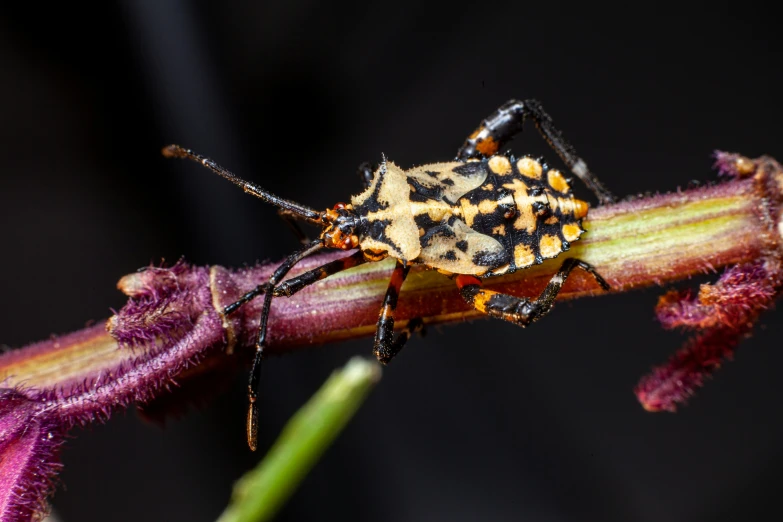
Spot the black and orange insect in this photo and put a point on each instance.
(481, 215)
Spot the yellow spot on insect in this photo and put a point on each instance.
(580, 208)
(557, 181)
(550, 246)
(573, 206)
(487, 206)
(469, 213)
(480, 301)
(523, 256)
(530, 168)
(499, 230)
(551, 220)
(525, 220)
(436, 210)
(571, 231)
(421, 232)
(500, 165)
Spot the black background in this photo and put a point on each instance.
(478, 421)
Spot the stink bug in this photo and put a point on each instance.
(482, 215)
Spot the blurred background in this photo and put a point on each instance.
(477, 421)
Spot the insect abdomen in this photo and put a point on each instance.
(528, 208)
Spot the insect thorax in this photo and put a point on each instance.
(478, 217)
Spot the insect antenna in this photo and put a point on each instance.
(175, 151)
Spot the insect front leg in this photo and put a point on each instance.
(279, 274)
(386, 345)
(291, 286)
(508, 120)
(521, 310)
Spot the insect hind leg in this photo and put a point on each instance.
(507, 121)
(521, 310)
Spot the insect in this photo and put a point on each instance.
(482, 215)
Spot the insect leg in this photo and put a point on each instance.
(520, 310)
(282, 270)
(508, 120)
(291, 286)
(386, 345)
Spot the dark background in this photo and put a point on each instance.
(478, 421)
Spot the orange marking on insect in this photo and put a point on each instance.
(500, 165)
(488, 146)
(465, 280)
(557, 181)
(580, 208)
(530, 168)
(469, 212)
(396, 280)
(523, 256)
(571, 232)
(550, 246)
(481, 300)
(525, 220)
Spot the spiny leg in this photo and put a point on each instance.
(520, 310)
(282, 270)
(386, 345)
(291, 286)
(508, 120)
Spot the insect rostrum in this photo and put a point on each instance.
(482, 215)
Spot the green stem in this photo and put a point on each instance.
(260, 493)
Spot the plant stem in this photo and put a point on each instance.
(260, 493)
(172, 318)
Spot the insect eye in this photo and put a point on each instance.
(339, 206)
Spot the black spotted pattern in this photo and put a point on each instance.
(491, 223)
(498, 224)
